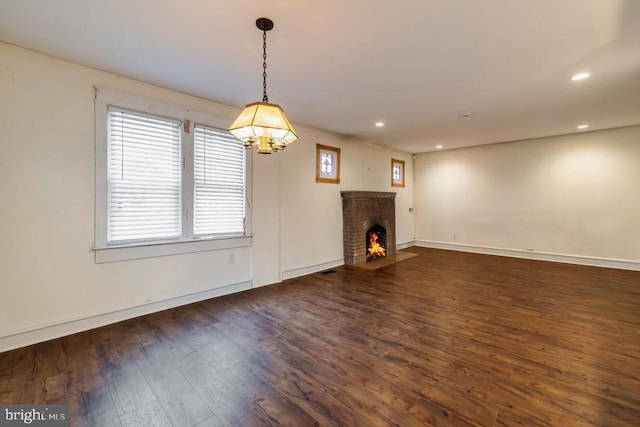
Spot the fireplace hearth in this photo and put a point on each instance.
(369, 225)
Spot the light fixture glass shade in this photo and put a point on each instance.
(262, 121)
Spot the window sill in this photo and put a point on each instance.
(157, 249)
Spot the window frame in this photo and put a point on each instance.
(334, 152)
(188, 242)
(400, 164)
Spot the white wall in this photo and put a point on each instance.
(48, 271)
(575, 196)
(50, 284)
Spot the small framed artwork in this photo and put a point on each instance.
(397, 173)
(327, 164)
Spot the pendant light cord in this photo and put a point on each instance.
(265, 98)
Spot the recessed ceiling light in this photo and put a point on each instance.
(464, 115)
(379, 124)
(580, 76)
(438, 146)
(582, 127)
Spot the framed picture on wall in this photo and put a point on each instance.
(397, 173)
(327, 164)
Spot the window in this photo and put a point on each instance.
(219, 183)
(327, 164)
(397, 173)
(144, 177)
(168, 180)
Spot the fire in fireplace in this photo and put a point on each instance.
(376, 243)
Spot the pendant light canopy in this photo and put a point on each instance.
(262, 124)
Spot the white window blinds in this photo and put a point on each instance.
(143, 177)
(219, 186)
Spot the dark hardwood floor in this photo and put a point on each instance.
(441, 339)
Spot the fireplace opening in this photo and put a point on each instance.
(376, 243)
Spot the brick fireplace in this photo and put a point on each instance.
(361, 212)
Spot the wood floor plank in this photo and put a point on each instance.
(151, 414)
(93, 408)
(441, 339)
(431, 415)
(129, 388)
(177, 397)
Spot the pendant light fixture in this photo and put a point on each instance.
(261, 124)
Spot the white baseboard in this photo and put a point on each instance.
(405, 245)
(48, 332)
(540, 256)
(297, 272)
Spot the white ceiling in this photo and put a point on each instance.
(342, 65)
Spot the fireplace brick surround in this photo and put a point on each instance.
(361, 210)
